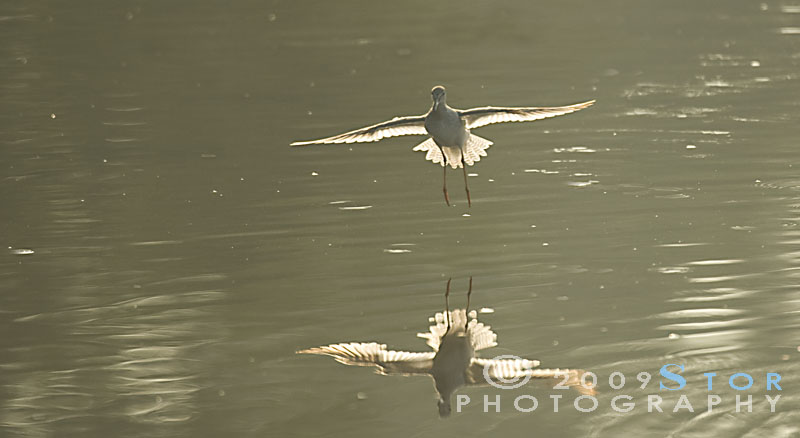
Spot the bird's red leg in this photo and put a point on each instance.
(469, 292)
(444, 176)
(466, 184)
(444, 186)
(447, 304)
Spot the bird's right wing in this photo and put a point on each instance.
(410, 125)
(374, 354)
(477, 117)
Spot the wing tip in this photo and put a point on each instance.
(576, 107)
(303, 143)
(335, 140)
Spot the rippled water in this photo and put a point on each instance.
(166, 252)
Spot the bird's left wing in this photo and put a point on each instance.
(374, 354)
(497, 370)
(477, 117)
(410, 125)
(480, 368)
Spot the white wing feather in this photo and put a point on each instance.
(411, 125)
(477, 117)
(374, 354)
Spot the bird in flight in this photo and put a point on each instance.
(450, 141)
(455, 338)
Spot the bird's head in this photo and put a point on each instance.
(444, 408)
(438, 95)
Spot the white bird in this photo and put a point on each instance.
(450, 139)
(454, 338)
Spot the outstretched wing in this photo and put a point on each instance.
(514, 369)
(374, 354)
(501, 368)
(411, 125)
(477, 117)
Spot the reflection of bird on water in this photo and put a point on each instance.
(454, 338)
(451, 142)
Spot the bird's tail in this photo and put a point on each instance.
(473, 151)
(480, 335)
(433, 153)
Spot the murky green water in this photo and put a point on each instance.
(165, 252)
